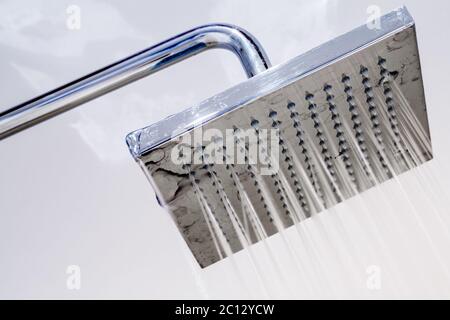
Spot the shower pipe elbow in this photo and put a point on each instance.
(139, 65)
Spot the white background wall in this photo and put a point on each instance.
(70, 194)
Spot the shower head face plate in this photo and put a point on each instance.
(326, 125)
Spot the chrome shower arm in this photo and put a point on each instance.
(137, 66)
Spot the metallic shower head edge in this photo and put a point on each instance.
(148, 138)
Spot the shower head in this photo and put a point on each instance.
(278, 148)
(291, 141)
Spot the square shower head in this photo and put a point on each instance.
(292, 141)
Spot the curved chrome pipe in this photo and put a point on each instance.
(137, 66)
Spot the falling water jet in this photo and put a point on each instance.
(236, 179)
(325, 171)
(217, 184)
(215, 225)
(310, 187)
(360, 146)
(342, 230)
(294, 207)
(419, 221)
(315, 157)
(408, 146)
(278, 180)
(299, 190)
(343, 151)
(310, 168)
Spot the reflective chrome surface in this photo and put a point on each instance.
(143, 140)
(137, 66)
